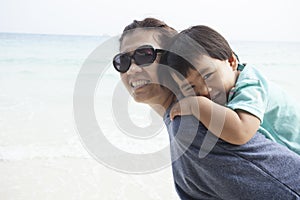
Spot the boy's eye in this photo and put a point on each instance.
(189, 91)
(189, 87)
(207, 76)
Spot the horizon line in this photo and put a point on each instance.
(107, 35)
(57, 34)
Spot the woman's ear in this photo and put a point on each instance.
(233, 61)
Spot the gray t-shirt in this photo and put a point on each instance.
(260, 169)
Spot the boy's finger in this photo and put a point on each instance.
(174, 112)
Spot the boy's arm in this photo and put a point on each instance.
(236, 127)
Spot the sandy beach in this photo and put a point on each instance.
(86, 179)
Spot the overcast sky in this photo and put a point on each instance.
(235, 19)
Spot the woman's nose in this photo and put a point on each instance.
(134, 68)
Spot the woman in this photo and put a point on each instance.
(256, 170)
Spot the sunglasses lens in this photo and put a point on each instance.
(144, 56)
(122, 62)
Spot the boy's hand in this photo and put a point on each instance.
(182, 107)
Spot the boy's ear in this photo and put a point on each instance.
(233, 61)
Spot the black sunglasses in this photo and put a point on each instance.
(142, 56)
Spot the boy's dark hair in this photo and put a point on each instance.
(194, 42)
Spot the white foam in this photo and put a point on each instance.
(72, 149)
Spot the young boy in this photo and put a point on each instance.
(244, 101)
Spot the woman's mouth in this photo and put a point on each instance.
(139, 83)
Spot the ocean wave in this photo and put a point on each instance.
(30, 152)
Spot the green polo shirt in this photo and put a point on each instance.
(279, 114)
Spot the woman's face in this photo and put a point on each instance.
(142, 82)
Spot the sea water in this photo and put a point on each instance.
(38, 74)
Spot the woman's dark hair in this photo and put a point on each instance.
(166, 32)
(194, 42)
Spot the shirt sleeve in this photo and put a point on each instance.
(249, 95)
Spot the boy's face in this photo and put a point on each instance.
(213, 79)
